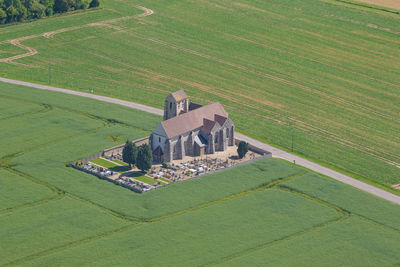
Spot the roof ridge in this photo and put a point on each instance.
(193, 119)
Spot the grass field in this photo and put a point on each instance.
(265, 212)
(121, 162)
(110, 165)
(322, 71)
(144, 179)
(104, 163)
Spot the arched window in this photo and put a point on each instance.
(159, 139)
(170, 105)
(227, 133)
(216, 139)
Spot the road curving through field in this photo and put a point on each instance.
(276, 152)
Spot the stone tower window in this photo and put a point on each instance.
(170, 105)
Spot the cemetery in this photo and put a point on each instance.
(109, 165)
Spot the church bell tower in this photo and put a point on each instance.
(176, 104)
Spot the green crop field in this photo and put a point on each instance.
(322, 73)
(264, 212)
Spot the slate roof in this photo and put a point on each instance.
(179, 95)
(193, 106)
(192, 119)
(208, 125)
(220, 119)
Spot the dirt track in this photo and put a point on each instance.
(275, 151)
(386, 3)
(31, 51)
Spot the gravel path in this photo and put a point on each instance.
(275, 151)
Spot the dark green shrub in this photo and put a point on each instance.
(242, 149)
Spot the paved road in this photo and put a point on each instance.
(275, 151)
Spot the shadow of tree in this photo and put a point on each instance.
(120, 168)
(136, 174)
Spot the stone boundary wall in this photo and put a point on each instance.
(106, 178)
(145, 140)
(265, 155)
(95, 156)
(118, 149)
(115, 150)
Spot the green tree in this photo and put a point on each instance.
(60, 6)
(3, 16)
(129, 153)
(94, 3)
(12, 14)
(144, 158)
(37, 10)
(49, 4)
(242, 149)
(80, 4)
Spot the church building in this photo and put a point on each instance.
(190, 129)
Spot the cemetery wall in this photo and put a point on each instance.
(256, 149)
(118, 149)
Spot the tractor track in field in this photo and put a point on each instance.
(6, 161)
(44, 108)
(32, 51)
(47, 107)
(147, 12)
(302, 48)
(303, 126)
(308, 127)
(345, 214)
(138, 222)
(69, 245)
(333, 98)
(6, 164)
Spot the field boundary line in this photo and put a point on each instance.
(274, 242)
(367, 6)
(362, 217)
(5, 164)
(343, 214)
(71, 244)
(260, 187)
(133, 222)
(44, 108)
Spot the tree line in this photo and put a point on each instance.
(22, 10)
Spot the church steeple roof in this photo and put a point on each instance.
(179, 95)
